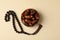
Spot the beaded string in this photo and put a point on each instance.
(14, 17)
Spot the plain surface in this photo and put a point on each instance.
(50, 10)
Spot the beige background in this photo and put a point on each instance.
(50, 10)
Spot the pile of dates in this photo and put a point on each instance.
(30, 17)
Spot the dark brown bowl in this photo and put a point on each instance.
(30, 17)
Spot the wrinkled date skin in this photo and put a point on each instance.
(30, 17)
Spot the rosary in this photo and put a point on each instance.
(29, 18)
